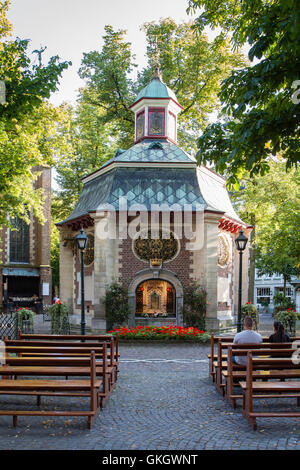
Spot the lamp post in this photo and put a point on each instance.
(241, 242)
(81, 240)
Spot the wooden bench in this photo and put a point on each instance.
(70, 350)
(112, 341)
(221, 362)
(271, 389)
(213, 355)
(234, 373)
(50, 387)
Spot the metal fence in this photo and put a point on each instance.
(9, 326)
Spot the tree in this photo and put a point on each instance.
(191, 65)
(27, 124)
(260, 108)
(87, 145)
(272, 203)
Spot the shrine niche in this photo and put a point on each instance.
(155, 250)
(155, 298)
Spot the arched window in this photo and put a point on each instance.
(19, 242)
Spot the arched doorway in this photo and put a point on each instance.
(155, 298)
(151, 274)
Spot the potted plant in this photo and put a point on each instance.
(24, 318)
(59, 317)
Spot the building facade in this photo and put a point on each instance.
(25, 272)
(265, 287)
(157, 222)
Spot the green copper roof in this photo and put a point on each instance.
(156, 89)
(149, 151)
(145, 186)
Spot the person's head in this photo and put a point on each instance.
(248, 323)
(279, 331)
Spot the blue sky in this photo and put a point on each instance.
(70, 27)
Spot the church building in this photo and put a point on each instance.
(156, 222)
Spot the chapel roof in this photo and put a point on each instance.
(155, 89)
(155, 151)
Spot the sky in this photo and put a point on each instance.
(71, 27)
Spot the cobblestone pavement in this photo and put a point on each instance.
(163, 400)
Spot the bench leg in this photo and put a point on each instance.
(15, 421)
(298, 401)
(38, 400)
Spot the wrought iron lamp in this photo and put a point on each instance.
(82, 240)
(241, 242)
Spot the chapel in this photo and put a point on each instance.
(156, 222)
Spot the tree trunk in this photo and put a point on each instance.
(251, 262)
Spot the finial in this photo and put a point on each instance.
(157, 71)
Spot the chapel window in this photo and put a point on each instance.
(19, 241)
(156, 121)
(140, 125)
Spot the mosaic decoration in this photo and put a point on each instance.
(161, 249)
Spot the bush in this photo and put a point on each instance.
(116, 305)
(249, 310)
(194, 306)
(288, 318)
(59, 315)
(282, 302)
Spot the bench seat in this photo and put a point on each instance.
(37, 385)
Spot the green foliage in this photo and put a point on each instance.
(59, 314)
(194, 306)
(272, 203)
(249, 310)
(116, 305)
(260, 108)
(28, 131)
(282, 301)
(24, 314)
(289, 319)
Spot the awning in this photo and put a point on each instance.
(21, 272)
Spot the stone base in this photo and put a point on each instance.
(98, 324)
(212, 324)
(155, 321)
(225, 319)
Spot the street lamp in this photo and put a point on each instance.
(241, 242)
(81, 240)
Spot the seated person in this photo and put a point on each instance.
(246, 336)
(279, 335)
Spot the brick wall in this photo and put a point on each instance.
(131, 265)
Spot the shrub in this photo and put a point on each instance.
(59, 315)
(288, 318)
(194, 306)
(249, 310)
(282, 302)
(116, 305)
